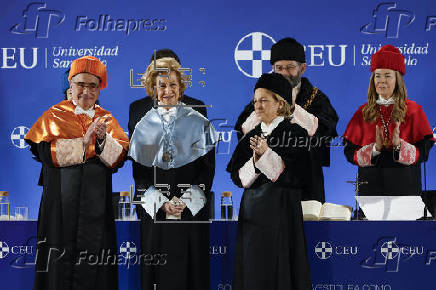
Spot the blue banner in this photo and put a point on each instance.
(226, 46)
(342, 255)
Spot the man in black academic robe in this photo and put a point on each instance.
(79, 145)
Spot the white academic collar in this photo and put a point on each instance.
(267, 129)
(167, 114)
(79, 110)
(164, 111)
(384, 102)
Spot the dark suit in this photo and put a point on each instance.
(140, 107)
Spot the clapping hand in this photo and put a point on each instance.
(396, 135)
(259, 146)
(100, 129)
(97, 128)
(379, 137)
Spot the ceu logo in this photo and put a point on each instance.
(388, 20)
(128, 249)
(252, 54)
(388, 254)
(323, 250)
(38, 20)
(4, 250)
(390, 250)
(17, 137)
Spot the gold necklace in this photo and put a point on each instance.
(386, 142)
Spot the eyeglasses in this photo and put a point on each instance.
(90, 86)
(289, 67)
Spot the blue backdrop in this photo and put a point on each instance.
(229, 39)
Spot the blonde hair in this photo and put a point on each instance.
(149, 78)
(285, 111)
(370, 111)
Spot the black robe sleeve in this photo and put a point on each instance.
(41, 152)
(327, 121)
(424, 147)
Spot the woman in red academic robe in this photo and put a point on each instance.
(389, 136)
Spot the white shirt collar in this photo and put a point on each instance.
(384, 102)
(90, 112)
(267, 129)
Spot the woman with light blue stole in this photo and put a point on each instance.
(173, 147)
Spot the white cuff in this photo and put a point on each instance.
(101, 145)
(69, 151)
(270, 164)
(247, 173)
(194, 198)
(111, 152)
(305, 119)
(374, 152)
(363, 155)
(152, 200)
(250, 123)
(407, 153)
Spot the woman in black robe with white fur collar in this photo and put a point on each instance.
(268, 162)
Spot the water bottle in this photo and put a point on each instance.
(4, 206)
(226, 205)
(124, 206)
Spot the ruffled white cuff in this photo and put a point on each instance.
(194, 198)
(152, 200)
(363, 156)
(68, 152)
(111, 152)
(407, 154)
(305, 119)
(270, 164)
(247, 173)
(374, 151)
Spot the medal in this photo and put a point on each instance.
(166, 157)
(386, 142)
